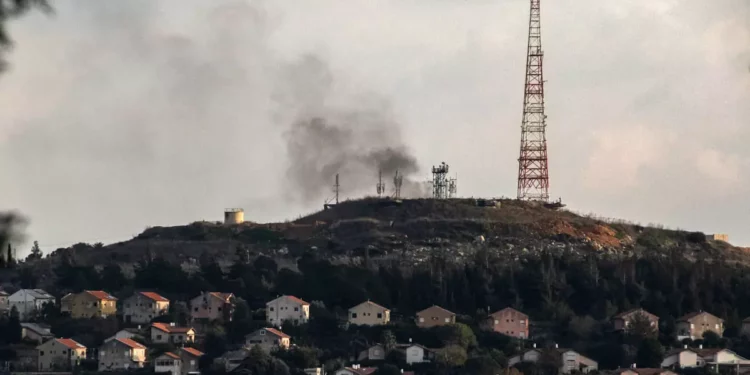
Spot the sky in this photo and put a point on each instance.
(117, 116)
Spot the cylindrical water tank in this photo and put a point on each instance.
(234, 216)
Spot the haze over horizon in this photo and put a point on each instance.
(123, 115)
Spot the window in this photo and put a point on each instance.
(158, 337)
(354, 315)
(717, 326)
(196, 309)
(421, 320)
(380, 315)
(262, 333)
(296, 309)
(270, 308)
(497, 321)
(192, 362)
(447, 320)
(41, 353)
(219, 309)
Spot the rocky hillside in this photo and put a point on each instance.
(409, 232)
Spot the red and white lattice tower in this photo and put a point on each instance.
(533, 175)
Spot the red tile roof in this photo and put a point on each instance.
(70, 343)
(276, 332)
(222, 296)
(192, 351)
(154, 296)
(506, 309)
(686, 318)
(169, 328)
(172, 355)
(371, 303)
(435, 308)
(362, 370)
(101, 295)
(298, 300)
(131, 343)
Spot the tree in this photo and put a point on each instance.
(14, 330)
(36, 252)
(650, 354)
(452, 356)
(457, 334)
(389, 340)
(640, 328)
(259, 362)
(483, 365)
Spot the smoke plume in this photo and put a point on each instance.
(336, 131)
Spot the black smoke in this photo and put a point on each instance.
(355, 135)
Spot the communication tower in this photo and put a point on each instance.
(398, 182)
(381, 185)
(441, 185)
(335, 199)
(533, 173)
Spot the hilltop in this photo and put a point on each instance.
(410, 232)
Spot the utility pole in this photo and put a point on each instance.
(533, 173)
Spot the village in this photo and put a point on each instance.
(135, 346)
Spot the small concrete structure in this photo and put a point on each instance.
(718, 237)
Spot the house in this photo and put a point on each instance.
(29, 302)
(142, 307)
(720, 357)
(127, 333)
(623, 320)
(643, 371)
(373, 353)
(232, 359)
(163, 333)
(416, 353)
(60, 355)
(287, 308)
(268, 339)
(89, 304)
(509, 322)
(435, 316)
(4, 302)
(313, 371)
(169, 363)
(369, 313)
(121, 354)
(694, 325)
(189, 358)
(680, 358)
(35, 332)
(356, 370)
(212, 306)
(571, 361)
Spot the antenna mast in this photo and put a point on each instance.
(533, 174)
(381, 184)
(398, 181)
(336, 188)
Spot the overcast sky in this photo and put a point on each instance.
(118, 115)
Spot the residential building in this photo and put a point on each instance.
(571, 361)
(369, 313)
(416, 353)
(314, 371)
(373, 353)
(718, 358)
(212, 306)
(694, 325)
(142, 307)
(60, 355)
(356, 370)
(89, 304)
(435, 316)
(127, 333)
(121, 354)
(169, 333)
(623, 320)
(680, 358)
(36, 332)
(268, 339)
(189, 358)
(509, 322)
(643, 371)
(4, 302)
(168, 363)
(287, 308)
(29, 302)
(232, 359)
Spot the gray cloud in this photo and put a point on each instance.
(119, 115)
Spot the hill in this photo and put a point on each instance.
(410, 232)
